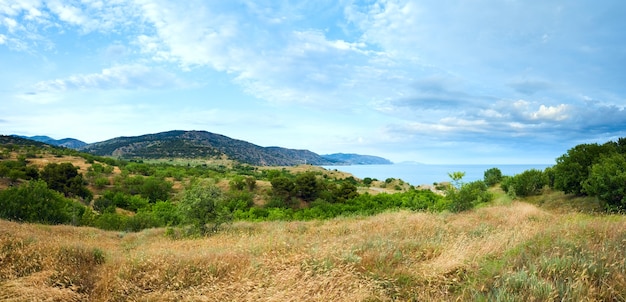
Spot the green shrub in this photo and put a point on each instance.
(492, 176)
(101, 182)
(468, 196)
(607, 181)
(202, 204)
(65, 178)
(34, 202)
(529, 182)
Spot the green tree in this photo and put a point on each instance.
(203, 204)
(463, 196)
(155, 189)
(467, 196)
(34, 202)
(237, 183)
(283, 188)
(572, 168)
(529, 182)
(492, 176)
(307, 186)
(457, 178)
(166, 213)
(607, 181)
(250, 183)
(103, 205)
(65, 178)
(346, 191)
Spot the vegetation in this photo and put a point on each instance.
(593, 170)
(202, 144)
(35, 202)
(203, 203)
(305, 233)
(64, 178)
(515, 252)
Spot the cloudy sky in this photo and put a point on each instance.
(442, 82)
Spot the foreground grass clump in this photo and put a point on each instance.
(514, 251)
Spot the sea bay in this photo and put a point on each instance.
(417, 174)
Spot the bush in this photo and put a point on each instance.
(529, 182)
(607, 181)
(101, 182)
(307, 186)
(492, 176)
(572, 169)
(34, 202)
(111, 222)
(65, 178)
(468, 196)
(166, 213)
(283, 188)
(203, 203)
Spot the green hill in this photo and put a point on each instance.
(202, 144)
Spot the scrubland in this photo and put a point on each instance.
(507, 251)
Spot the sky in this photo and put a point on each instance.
(439, 82)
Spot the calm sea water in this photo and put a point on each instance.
(417, 174)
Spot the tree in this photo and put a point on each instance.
(457, 178)
(65, 178)
(346, 191)
(237, 183)
(35, 202)
(250, 183)
(203, 203)
(572, 169)
(607, 181)
(307, 186)
(529, 182)
(492, 176)
(155, 189)
(283, 187)
(461, 196)
(468, 195)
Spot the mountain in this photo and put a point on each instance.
(202, 144)
(18, 140)
(357, 159)
(71, 143)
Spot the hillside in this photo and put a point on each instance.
(66, 142)
(407, 245)
(17, 140)
(202, 144)
(357, 159)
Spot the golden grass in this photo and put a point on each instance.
(393, 256)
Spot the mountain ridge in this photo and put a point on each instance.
(64, 142)
(204, 144)
(357, 159)
(195, 143)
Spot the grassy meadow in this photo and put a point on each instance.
(504, 251)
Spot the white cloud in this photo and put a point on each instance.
(392, 24)
(525, 110)
(10, 24)
(551, 113)
(68, 13)
(3, 39)
(118, 77)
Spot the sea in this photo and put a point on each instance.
(421, 174)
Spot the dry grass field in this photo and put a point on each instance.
(513, 252)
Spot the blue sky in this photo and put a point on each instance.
(442, 82)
